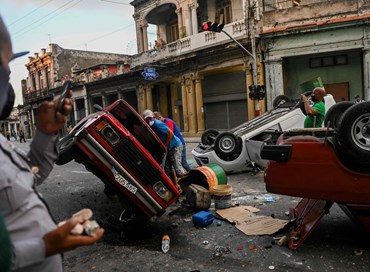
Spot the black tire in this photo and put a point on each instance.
(352, 141)
(228, 146)
(66, 149)
(132, 218)
(280, 99)
(209, 136)
(335, 112)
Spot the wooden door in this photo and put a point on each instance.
(340, 91)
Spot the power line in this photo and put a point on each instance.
(20, 33)
(103, 36)
(24, 16)
(115, 2)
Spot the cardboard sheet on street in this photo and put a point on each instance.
(251, 224)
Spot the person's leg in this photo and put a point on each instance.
(175, 158)
(168, 169)
(184, 162)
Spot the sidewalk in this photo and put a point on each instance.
(192, 139)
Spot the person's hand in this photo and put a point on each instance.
(60, 240)
(304, 98)
(48, 119)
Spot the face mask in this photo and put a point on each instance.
(9, 102)
(151, 123)
(313, 99)
(4, 83)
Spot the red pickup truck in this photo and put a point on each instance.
(118, 146)
(323, 166)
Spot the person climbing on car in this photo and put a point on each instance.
(172, 143)
(175, 129)
(316, 112)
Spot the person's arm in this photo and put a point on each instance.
(309, 110)
(169, 137)
(34, 250)
(43, 151)
(170, 124)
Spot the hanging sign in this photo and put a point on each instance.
(149, 74)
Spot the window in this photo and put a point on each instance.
(328, 61)
(224, 15)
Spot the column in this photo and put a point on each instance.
(149, 97)
(249, 82)
(184, 104)
(104, 101)
(141, 99)
(199, 103)
(187, 19)
(37, 80)
(86, 103)
(75, 110)
(175, 107)
(366, 61)
(139, 37)
(144, 27)
(182, 32)
(191, 104)
(274, 80)
(194, 19)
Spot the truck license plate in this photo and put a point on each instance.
(121, 180)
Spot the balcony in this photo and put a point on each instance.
(190, 44)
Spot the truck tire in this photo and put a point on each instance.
(352, 141)
(66, 149)
(333, 115)
(209, 136)
(132, 219)
(228, 146)
(280, 99)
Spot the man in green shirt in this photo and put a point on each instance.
(316, 113)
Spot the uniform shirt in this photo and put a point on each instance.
(161, 130)
(320, 109)
(172, 125)
(26, 214)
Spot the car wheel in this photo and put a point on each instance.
(228, 146)
(132, 218)
(66, 149)
(209, 136)
(301, 104)
(335, 112)
(279, 100)
(353, 137)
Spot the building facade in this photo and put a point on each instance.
(48, 71)
(202, 79)
(311, 39)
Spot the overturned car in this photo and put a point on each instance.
(238, 150)
(325, 166)
(118, 147)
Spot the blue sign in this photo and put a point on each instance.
(150, 74)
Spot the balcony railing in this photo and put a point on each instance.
(36, 95)
(190, 44)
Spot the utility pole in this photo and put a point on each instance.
(256, 92)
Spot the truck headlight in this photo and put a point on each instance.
(108, 132)
(162, 191)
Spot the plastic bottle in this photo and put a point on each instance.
(165, 243)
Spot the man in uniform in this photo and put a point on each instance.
(37, 243)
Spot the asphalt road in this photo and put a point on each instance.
(330, 247)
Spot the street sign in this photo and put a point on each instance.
(149, 74)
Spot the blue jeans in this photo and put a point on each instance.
(184, 162)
